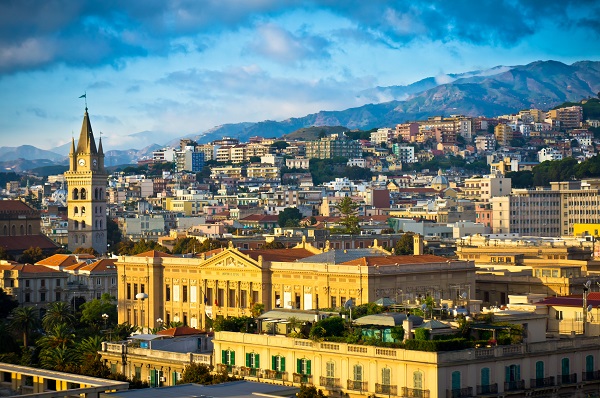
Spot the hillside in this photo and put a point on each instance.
(312, 133)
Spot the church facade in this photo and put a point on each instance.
(86, 181)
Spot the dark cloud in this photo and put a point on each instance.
(36, 34)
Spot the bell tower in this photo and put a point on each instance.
(86, 201)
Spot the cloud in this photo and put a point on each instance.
(37, 112)
(282, 46)
(100, 85)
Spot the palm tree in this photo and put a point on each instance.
(56, 314)
(23, 320)
(60, 359)
(90, 346)
(61, 336)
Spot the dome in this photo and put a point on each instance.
(60, 196)
(440, 181)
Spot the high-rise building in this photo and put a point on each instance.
(86, 179)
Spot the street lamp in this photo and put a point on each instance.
(143, 296)
(105, 318)
(159, 321)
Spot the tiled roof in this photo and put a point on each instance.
(593, 299)
(34, 269)
(23, 242)
(338, 256)
(153, 254)
(397, 260)
(58, 260)
(260, 218)
(104, 265)
(14, 206)
(278, 254)
(180, 331)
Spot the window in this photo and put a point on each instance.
(228, 357)
(27, 297)
(26, 282)
(98, 281)
(43, 283)
(57, 296)
(42, 297)
(485, 376)
(138, 373)
(142, 288)
(559, 315)
(135, 290)
(303, 366)
(565, 366)
(539, 370)
(357, 373)
(386, 376)
(129, 291)
(167, 293)
(278, 363)
(456, 380)
(184, 294)
(253, 360)
(330, 369)
(418, 380)
(513, 373)
(589, 363)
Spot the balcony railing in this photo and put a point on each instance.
(330, 382)
(247, 371)
(542, 382)
(357, 385)
(275, 375)
(590, 376)
(460, 392)
(567, 379)
(302, 378)
(489, 389)
(387, 389)
(514, 385)
(414, 393)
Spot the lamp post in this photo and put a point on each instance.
(105, 318)
(143, 296)
(159, 321)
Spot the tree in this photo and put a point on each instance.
(7, 342)
(31, 255)
(57, 313)
(405, 244)
(258, 309)
(4, 254)
(328, 327)
(7, 304)
(61, 359)
(349, 221)
(24, 319)
(197, 373)
(92, 310)
(309, 392)
(86, 250)
(289, 214)
(273, 245)
(186, 245)
(60, 336)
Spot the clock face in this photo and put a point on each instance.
(82, 162)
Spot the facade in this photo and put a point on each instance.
(406, 154)
(382, 135)
(228, 282)
(503, 134)
(566, 118)
(330, 147)
(486, 187)
(86, 179)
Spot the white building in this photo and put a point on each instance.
(549, 154)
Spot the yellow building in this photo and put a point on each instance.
(229, 282)
(504, 134)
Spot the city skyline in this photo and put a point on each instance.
(178, 69)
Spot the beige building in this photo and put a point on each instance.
(229, 282)
(503, 134)
(486, 187)
(566, 118)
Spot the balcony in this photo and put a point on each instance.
(460, 392)
(590, 376)
(248, 372)
(490, 389)
(302, 378)
(386, 389)
(275, 375)
(330, 382)
(567, 379)
(357, 385)
(414, 393)
(542, 382)
(514, 385)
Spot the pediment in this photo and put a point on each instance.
(231, 259)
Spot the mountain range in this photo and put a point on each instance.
(491, 92)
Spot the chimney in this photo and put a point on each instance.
(417, 245)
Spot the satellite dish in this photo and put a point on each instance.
(463, 295)
(589, 307)
(349, 304)
(423, 307)
(587, 284)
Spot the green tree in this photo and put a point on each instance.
(328, 327)
(31, 255)
(122, 331)
(186, 245)
(7, 342)
(90, 345)
(61, 359)
(4, 254)
(197, 373)
(289, 214)
(24, 319)
(91, 312)
(92, 365)
(405, 244)
(349, 220)
(307, 391)
(273, 245)
(60, 336)
(7, 304)
(57, 313)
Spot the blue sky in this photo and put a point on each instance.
(177, 67)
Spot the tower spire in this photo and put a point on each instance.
(86, 142)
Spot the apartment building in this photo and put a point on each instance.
(503, 134)
(404, 153)
(333, 146)
(382, 135)
(486, 187)
(566, 118)
(407, 131)
(485, 143)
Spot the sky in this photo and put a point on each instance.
(177, 67)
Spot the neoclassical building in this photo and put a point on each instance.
(228, 282)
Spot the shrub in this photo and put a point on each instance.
(422, 334)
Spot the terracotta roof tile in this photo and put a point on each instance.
(180, 331)
(14, 206)
(153, 254)
(398, 260)
(278, 254)
(105, 265)
(58, 260)
(24, 242)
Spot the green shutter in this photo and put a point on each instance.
(539, 370)
(308, 372)
(282, 366)
(485, 376)
(174, 378)
(232, 361)
(153, 378)
(298, 366)
(274, 362)
(518, 373)
(257, 361)
(456, 380)
(507, 371)
(589, 363)
(247, 360)
(224, 356)
(565, 366)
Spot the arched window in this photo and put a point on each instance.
(22, 230)
(75, 210)
(75, 193)
(82, 210)
(485, 380)
(13, 231)
(539, 370)
(455, 381)
(76, 224)
(29, 230)
(83, 224)
(589, 364)
(5, 231)
(83, 194)
(565, 370)
(418, 380)
(96, 193)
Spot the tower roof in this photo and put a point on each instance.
(86, 142)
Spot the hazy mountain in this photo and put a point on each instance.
(20, 165)
(130, 156)
(541, 84)
(27, 152)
